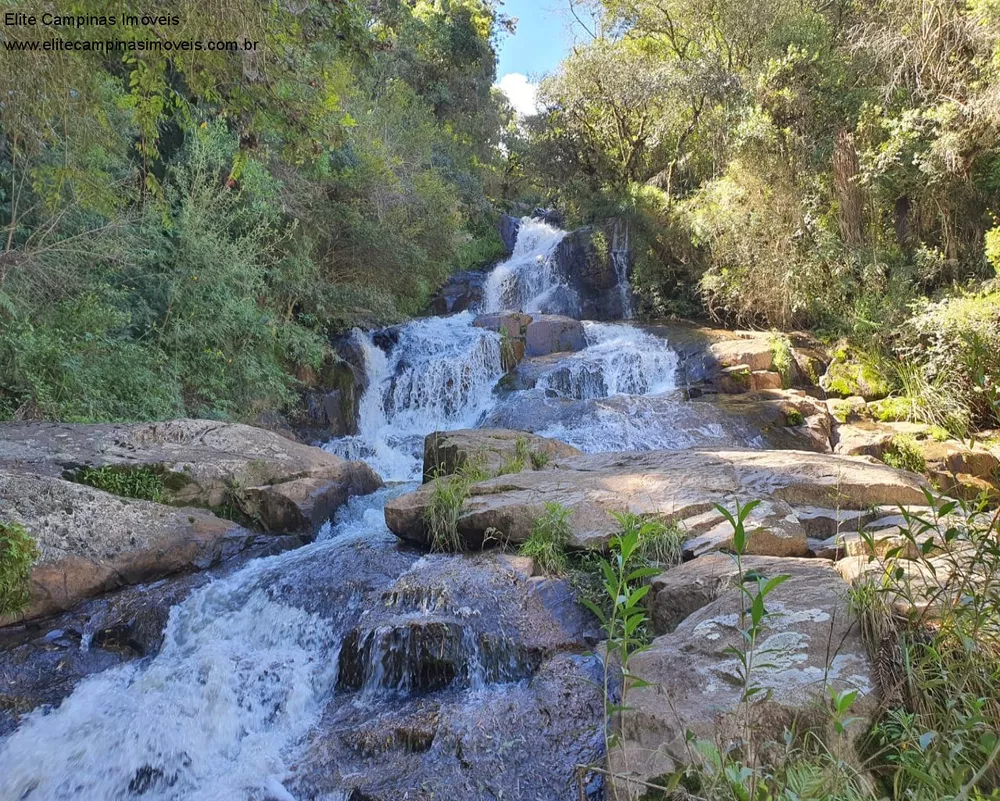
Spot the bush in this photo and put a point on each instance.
(953, 341)
(142, 483)
(904, 453)
(549, 537)
(18, 553)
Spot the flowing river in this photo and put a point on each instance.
(270, 679)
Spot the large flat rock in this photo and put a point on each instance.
(92, 542)
(671, 485)
(809, 644)
(201, 462)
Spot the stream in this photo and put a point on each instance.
(358, 669)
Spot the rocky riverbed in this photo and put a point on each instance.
(219, 611)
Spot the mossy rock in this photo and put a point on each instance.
(844, 379)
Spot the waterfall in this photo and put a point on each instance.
(621, 261)
(618, 360)
(440, 375)
(528, 281)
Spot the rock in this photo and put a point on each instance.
(755, 353)
(822, 523)
(491, 449)
(92, 542)
(773, 530)
(764, 379)
(592, 260)
(681, 591)
(849, 410)
(863, 439)
(811, 643)
(200, 463)
(508, 227)
(671, 485)
(553, 333)
(441, 626)
(951, 458)
(305, 504)
(845, 378)
(551, 217)
(462, 290)
(810, 364)
(515, 324)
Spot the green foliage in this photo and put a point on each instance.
(18, 553)
(448, 494)
(539, 459)
(622, 616)
(952, 345)
(130, 482)
(904, 453)
(550, 534)
(784, 360)
(181, 236)
(929, 612)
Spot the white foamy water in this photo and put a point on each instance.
(618, 360)
(527, 281)
(217, 715)
(439, 376)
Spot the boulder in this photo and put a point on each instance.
(845, 378)
(513, 323)
(863, 439)
(508, 227)
(849, 410)
(594, 261)
(809, 643)
(772, 526)
(493, 450)
(764, 379)
(681, 591)
(200, 463)
(670, 485)
(553, 333)
(91, 542)
(754, 352)
(462, 290)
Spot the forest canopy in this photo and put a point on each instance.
(183, 231)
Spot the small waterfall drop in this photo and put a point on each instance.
(439, 375)
(618, 360)
(528, 280)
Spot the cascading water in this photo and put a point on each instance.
(528, 280)
(242, 676)
(618, 360)
(438, 376)
(253, 666)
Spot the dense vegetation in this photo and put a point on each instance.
(827, 165)
(181, 234)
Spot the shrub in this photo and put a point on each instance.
(784, 361)
(930, 624)
(904, 453)
(953, 343)
(129, 482)
(18, 553)
(448, 494)
(549, 537)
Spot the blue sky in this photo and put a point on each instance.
(542, 40)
